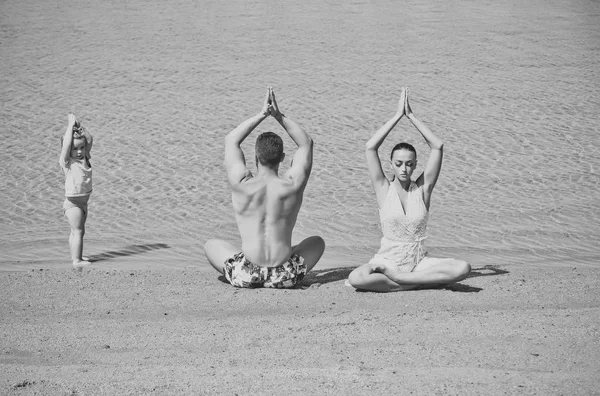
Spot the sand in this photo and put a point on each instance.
(504, 330)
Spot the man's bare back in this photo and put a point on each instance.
(266, 208)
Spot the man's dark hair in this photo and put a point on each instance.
(403, 146)
(269, 149)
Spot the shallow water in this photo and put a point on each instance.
(512, 89)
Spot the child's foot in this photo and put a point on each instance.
(79, 264)
(84, 258)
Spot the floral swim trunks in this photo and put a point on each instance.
(242, 273)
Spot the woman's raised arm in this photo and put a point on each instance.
(378, 179)
(434, 163)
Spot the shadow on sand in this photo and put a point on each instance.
(486, 270)
(128, 251)
(327, 275)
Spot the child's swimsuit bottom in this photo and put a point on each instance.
(240, 272)
(76, 202)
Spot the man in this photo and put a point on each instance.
(266, 207)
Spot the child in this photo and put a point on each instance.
(75, 162)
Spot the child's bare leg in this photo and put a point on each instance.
(76, 218)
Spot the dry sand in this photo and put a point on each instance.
(503, 330)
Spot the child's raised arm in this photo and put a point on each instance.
(88, 140)
(67, 142)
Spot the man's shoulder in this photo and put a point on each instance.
(286, 188)
(252, 186)
(245, 179)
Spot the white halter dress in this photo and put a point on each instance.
(403, 234)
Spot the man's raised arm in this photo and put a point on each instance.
(303, 158)
(235, 162)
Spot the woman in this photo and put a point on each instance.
(401, 262)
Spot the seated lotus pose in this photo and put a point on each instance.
(266, 207)
(402, 262)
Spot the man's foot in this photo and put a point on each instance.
(79, 264)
